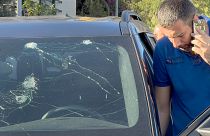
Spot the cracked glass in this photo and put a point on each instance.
(57, 83)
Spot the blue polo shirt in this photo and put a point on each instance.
(189, 77)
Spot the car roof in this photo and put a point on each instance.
(62, 26)
(59, 26)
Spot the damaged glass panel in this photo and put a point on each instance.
(49, 78)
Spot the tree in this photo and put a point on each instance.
(95, 8)
(202, 6)
(37, 9)
(7, 8)
(147, 9)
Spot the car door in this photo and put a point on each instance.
(145, 43)
(200, 126)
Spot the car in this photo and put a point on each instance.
(77, 76)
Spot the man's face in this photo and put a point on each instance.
(179, 34)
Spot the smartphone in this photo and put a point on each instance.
(200, 24)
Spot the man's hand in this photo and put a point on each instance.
(202, 45)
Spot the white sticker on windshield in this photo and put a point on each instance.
(87, 42)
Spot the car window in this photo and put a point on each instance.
(80, 79)
(152, 40)
(148, 43)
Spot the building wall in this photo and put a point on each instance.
(66, 7)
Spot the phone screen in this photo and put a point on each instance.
(200, 24)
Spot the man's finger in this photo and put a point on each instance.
(201, 38)
(197, 50)
(198, 43)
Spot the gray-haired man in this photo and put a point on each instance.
(182, 70)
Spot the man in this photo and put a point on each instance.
(181, 66)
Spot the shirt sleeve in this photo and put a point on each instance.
(161, 77)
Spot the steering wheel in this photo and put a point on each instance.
(72, 111)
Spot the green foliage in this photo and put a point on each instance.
(147, 9)
(95, 8)
(35, 9)
(202, 6)
(7, 8)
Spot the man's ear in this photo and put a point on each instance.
(162, 29)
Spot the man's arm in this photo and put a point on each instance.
(162, 95)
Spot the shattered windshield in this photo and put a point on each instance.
(68, 78)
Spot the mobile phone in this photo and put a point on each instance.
(200, 24)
